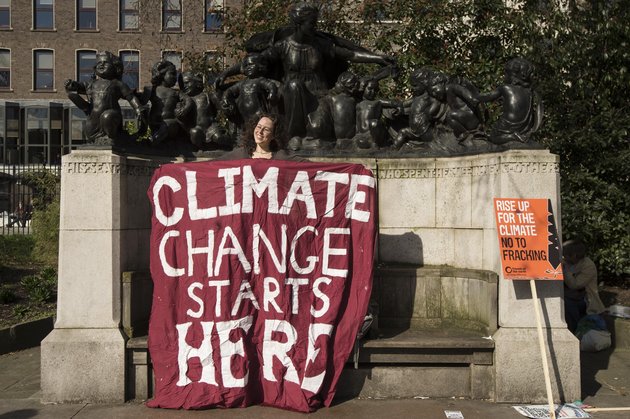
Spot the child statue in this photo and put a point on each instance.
(335, 116)
(104, 116)
(254, 95)
(464, 117)
(424, 109)
(199, 114)
(371, 131)
(343, 105)
(521, 116)
(165, 104)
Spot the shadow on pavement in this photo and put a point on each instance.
(591, 363)
(19, 414)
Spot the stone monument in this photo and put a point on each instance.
(438, 170)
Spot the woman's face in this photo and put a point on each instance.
(263, 133)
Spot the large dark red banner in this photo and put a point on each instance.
(262, 273)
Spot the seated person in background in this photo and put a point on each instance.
(580, 284)
(21, 215)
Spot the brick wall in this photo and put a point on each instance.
(65, 41)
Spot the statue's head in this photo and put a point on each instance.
(191, 83)
(254, 65)
(304, 16)
(437, 87)
(348, 82)
(108, 66)
(519, 71)
(370, 89)
(420, 80)
(165, 73)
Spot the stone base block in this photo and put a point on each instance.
(519, 373)
(620, 329)
(405, 382)
(83, 366)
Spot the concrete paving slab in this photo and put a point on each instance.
(605, 381)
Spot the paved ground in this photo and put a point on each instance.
(605, 383)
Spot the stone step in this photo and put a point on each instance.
(400, 363)
(439, 346)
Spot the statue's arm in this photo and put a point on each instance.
(228, 103)
(189, 106)
(464, 94)
(232, 71)
(359, 56)
(271, 88)
(136, 103)
(74, 86)
(489, 96)
(394, 104)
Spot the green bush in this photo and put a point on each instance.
(41, 288)
(20, 311)
(7, 295)
(45, 227)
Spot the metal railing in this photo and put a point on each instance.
(23, 189)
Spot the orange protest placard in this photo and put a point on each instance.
(528, 239)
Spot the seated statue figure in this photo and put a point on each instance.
(165, 104)
(335, 117)
(344, 105)
(198, 115)
(421, 108)
(252, 96)
(464, 116)
(371, 131)
(104, 116)
(521, 115)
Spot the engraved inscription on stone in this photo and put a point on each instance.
(481, 170)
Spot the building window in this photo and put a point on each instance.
(175, 57)
(44, 70)
(214, 16)
(171, 15)
(129, 15)
(77, 126)
(43, 14)
(5, 14)
(37, 134)
(86, 60)
(131, 65)
(5, 69)
(86, 14)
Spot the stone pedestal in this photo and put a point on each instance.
(104, 230)
(519, 373)
(432, 211)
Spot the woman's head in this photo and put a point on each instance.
(265, 129)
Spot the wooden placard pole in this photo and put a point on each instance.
(543, 351)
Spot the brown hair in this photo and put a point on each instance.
(278, 136)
